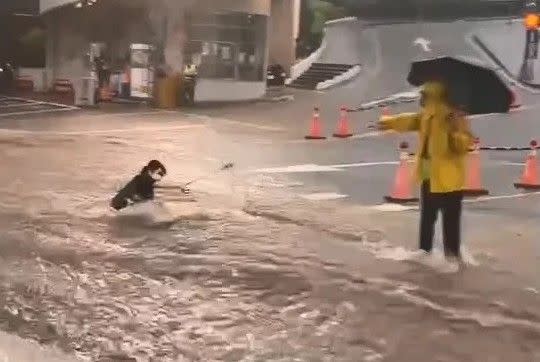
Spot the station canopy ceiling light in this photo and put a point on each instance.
(531, 21)
(84, 3)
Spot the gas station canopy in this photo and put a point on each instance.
(47, 5)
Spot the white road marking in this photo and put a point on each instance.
(335, 140)
(34, 112)
(250, 125)
(299, 169)
(370, 134)
(17, 104)
(101, 131)
(239, 123)
(128, 114)
(323, 196)
(501, 197)
(387, 207)
(423, 43)
(321, 168)
(364, 164)
(33, 101)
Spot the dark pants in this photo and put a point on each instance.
(125, 90)
(189, 94)
(450, 205)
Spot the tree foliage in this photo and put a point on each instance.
(314, 15)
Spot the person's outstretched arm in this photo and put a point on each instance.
(404, 122)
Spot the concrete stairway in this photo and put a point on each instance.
(317, 73)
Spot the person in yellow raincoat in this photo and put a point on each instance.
(444, 141)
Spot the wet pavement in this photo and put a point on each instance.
(16, 106)
(251, 271)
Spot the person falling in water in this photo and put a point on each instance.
(141, 187)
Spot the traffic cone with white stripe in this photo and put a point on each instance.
(315, 131)
(473, 184)
(343, 124)
(402, 191)
(529, 179)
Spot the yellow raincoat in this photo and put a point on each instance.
(449, 139)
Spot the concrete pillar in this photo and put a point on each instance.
(50, 57)
(282, 33)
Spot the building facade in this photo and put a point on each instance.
(231, 41)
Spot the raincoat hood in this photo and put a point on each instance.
(435, 94)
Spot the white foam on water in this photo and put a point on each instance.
(388, 207)
(16, 349)
(435, 260)
(323, 196)
(148, 212)
(395, 253)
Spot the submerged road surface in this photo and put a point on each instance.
(249, 272)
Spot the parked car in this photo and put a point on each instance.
(275, 75)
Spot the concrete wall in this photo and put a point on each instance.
(282, 33)
(297, 9)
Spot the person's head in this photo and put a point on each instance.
(433, 92)
(155, 169)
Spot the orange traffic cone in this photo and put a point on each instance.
(473, 185)
(385, 112)
(516, 99)
(402, 190)
(315, 132)
(529, 179)
(343, 124)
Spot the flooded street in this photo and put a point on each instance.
(249, 272)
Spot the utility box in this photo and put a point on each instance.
(85, 92)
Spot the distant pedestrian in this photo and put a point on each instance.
(190, 82)
(7, 77)
(444, 141)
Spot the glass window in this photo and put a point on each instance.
(227, 45)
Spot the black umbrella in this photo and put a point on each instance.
(473, 87)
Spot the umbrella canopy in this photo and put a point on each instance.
(473, 87)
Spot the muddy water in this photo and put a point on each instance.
(248, 273)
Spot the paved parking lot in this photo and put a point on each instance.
(14, 106)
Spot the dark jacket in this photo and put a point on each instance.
(140, 188)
